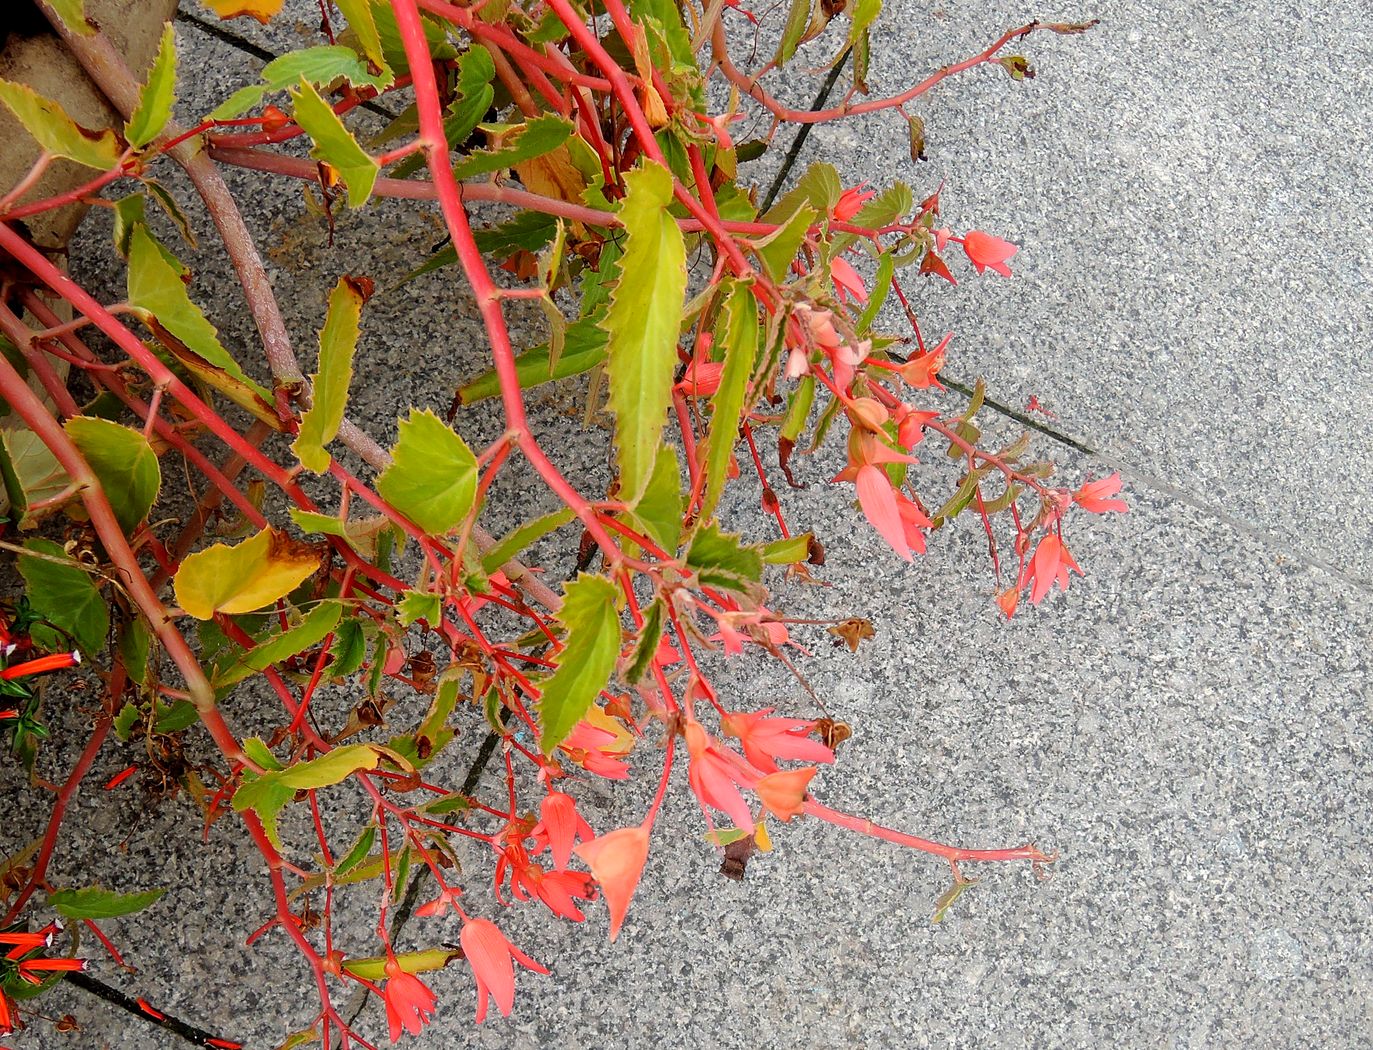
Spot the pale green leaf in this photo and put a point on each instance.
(155, 104)
(511, 545)
(337, 342)
(779, 248)
(643, 321)
(334, 143)
(322, 65)
(31, 472)
(419, 605)
(123, 461)
(650, 634)
(583, 666)
(433, 480)
(56, 132)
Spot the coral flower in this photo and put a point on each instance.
(1051, 564)
(490, 956)
(785, 793)
(988, 253)
(409, 1002)
(846, 280)
(851, 202)
(616, 860)
(560, 826)
(1093, 496)
(712, 778)
(766, 739)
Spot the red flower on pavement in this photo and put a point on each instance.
(616, 860)
(712, 778)
(7, 1016)
(1051, 564)
(851, 202)
(490, 955)
(559, 827)
(36, 971)
(1093, 496)
(409, 1001)
(766, 739)
(846, 280)
(988, 253)
(785, 793)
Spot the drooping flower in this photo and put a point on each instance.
(1008, 600)
(785, 793)
(846, 280)
(702, 378)
(440, 905)
(712, 778)
(851, 201)
(616, 860)
(593, 749)
(558, 890)
(1093, 496)
(1051, 564)
(490, 955)
(559, 827)
(988, 253)
(409, 1001)
(766, 739)
(921, 369)
(878, 500)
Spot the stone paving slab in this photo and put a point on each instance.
(1189, 726)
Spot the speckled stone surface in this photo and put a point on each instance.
(1189, 726)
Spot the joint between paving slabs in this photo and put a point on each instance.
(187, 1031)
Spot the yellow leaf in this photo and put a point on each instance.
(262, 10)
(240, 579)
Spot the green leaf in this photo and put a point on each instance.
(123, 461)
(334, 143)
(643, 321)
(788, 551)
(315, 65)
(124, 722)
(659, 509)
(358, 15)
(157, 291)
(798, 409)
(584, 347)
(419, 605)
(64, 595)
(433, 480)
(779, 248)
(155, 104)
(820, 187)
(361, 848)
(257, 750)
(739, 337)
(337, 342)
(584, 665)
(310, 631)
(522, 537)
(523, 142)
(96, 903)
(73, 15)
(474, 92)
(181, 715)
(242, 578)
(881, 285)
(56, 132)
(650, 634)
(349, 649)
(721, 561)
(798, 17)
(135, 642)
